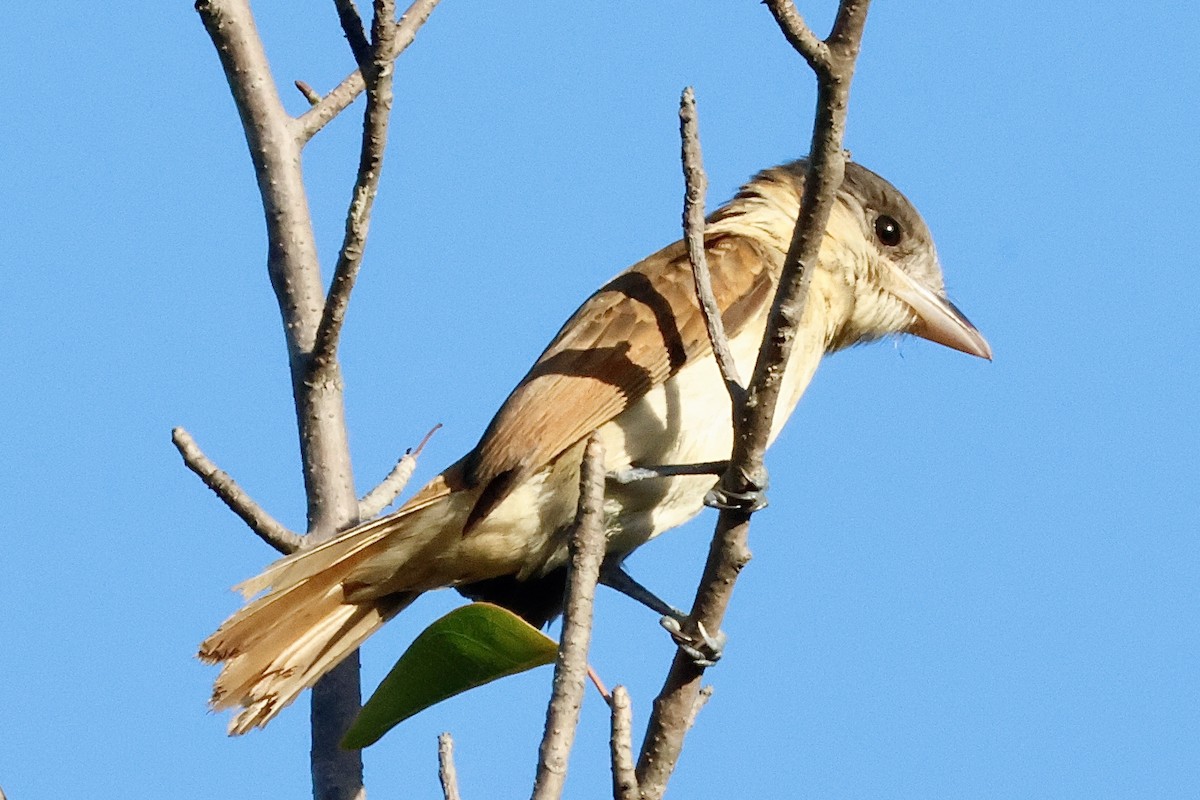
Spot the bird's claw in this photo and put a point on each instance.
(750, 497)
(725, 500)
(705, 649)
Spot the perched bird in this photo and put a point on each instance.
(633, 363)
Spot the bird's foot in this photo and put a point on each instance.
(722, 500)
(751, 497)
(703, 648)
(634, 474)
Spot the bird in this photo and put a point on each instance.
(634, 364)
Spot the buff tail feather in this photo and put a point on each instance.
(281, 643)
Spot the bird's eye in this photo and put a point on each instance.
(888, 231)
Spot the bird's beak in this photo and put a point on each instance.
(938, 320)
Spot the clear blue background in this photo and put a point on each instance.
(975, 580)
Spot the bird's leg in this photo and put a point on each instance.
(705, 649)
(614, 576)
(754, 499)
(634, 474)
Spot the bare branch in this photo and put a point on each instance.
(675, 706)
(673, 709)
(848, 27)
(390, 487)
(446, 771)
(799, 35)
(625, 785)
(292, 257)
(596, 680)
(826, 167)
(338, 100)
(570, 671)
(355, 34)
(292, 262)
(696, 186)
(225, 487)
(366, 186)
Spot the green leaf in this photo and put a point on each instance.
(470, 646)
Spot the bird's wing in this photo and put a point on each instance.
(630, 336)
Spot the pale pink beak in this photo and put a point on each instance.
(938, 320)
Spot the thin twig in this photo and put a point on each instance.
(366, 186)
(799, 35)
(391, 486)
(352, 26)
(570, 671)
(675, 706)
(338, 100)
(225, 487)
(446, 772)
(695, 188)
(625, 785)
(598, 682)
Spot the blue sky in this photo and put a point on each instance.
(974, 580)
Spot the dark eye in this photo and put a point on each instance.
(888, 230)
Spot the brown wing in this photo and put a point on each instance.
(631, 335)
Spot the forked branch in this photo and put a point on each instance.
(312, 316)
(338, 100)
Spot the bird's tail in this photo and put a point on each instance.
(304, 625)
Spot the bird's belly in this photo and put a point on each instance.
(686, 420)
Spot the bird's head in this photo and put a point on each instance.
(878, 246)
(878, 274)
(883, 250)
